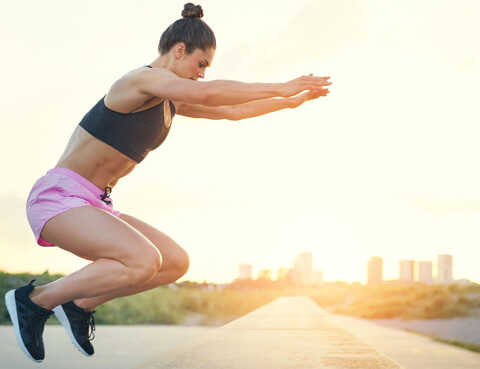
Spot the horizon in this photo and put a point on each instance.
(415, 276)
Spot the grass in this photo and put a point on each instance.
(409, 301)
(464, 345)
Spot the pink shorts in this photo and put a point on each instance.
(57, 191)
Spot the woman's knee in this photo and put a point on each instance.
(146, 265)
(181, 263)
(185, 264)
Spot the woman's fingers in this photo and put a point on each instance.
(303, 83)
(315, 93)
(311, 76)
(311, 81)
(308, 95)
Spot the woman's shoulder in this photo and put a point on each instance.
(123, 95)
(133, 74)
(139, 76)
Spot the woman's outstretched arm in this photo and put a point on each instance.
(165, 84)
(247, 110)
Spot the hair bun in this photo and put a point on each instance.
(192, 11)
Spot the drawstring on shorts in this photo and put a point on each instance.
(106, 194)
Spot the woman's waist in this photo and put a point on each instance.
(99, 171)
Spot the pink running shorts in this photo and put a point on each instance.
(57, 191)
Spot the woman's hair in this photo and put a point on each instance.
(190, 30)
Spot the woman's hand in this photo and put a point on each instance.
(297, 85)
(296, 101)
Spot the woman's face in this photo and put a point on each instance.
(193, 65)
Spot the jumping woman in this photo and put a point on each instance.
(71, 207)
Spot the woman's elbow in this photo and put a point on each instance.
(235, 117)
(232, 113)
(212, 95)
(208, 98)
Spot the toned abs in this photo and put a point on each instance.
(93, 159)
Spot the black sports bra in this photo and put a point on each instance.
(133, 134)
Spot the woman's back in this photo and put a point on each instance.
(117, 133)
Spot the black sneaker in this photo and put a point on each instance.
(77, 322)
(28, 321)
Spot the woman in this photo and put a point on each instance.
(70, 206)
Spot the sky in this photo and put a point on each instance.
(385, 165)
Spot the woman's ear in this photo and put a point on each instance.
(179, 50)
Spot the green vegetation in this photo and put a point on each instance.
(410, 301)
(467, 346)
(163, 305)
(173, 304)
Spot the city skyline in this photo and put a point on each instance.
(410, 270)
(301, 272)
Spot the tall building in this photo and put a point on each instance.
(406, 271)
(425, 272)
(265, 274)
(375, 270)
(317, 277)
(244, 271)
(303, 268)
(282, 273)
(445, 268)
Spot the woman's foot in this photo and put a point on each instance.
(28, 321)
(79, 324)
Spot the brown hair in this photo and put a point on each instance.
(190, 29)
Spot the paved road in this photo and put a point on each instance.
(458, 329)
(288, 333)
(117, 347)
(410, 350)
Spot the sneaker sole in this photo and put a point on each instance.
(12, 311)
(62, 317)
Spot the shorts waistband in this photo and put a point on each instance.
(78, 178)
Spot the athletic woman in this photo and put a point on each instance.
(71, 205)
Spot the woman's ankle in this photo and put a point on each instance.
(38, 298)
(84, 304)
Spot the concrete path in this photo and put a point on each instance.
(410, 350)
(463, 329)
(116, 347)
(287, 333)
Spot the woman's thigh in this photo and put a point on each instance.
(174, 256)
(93, 234)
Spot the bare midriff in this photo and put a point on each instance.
(94, 160)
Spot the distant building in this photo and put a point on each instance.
(303, 268)
(282, 274)
(317, 277)
(291, 277)
(265, 274)
(425, 272)
(244, 271)
(406, 270)
(375, 270)
(445, 268)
